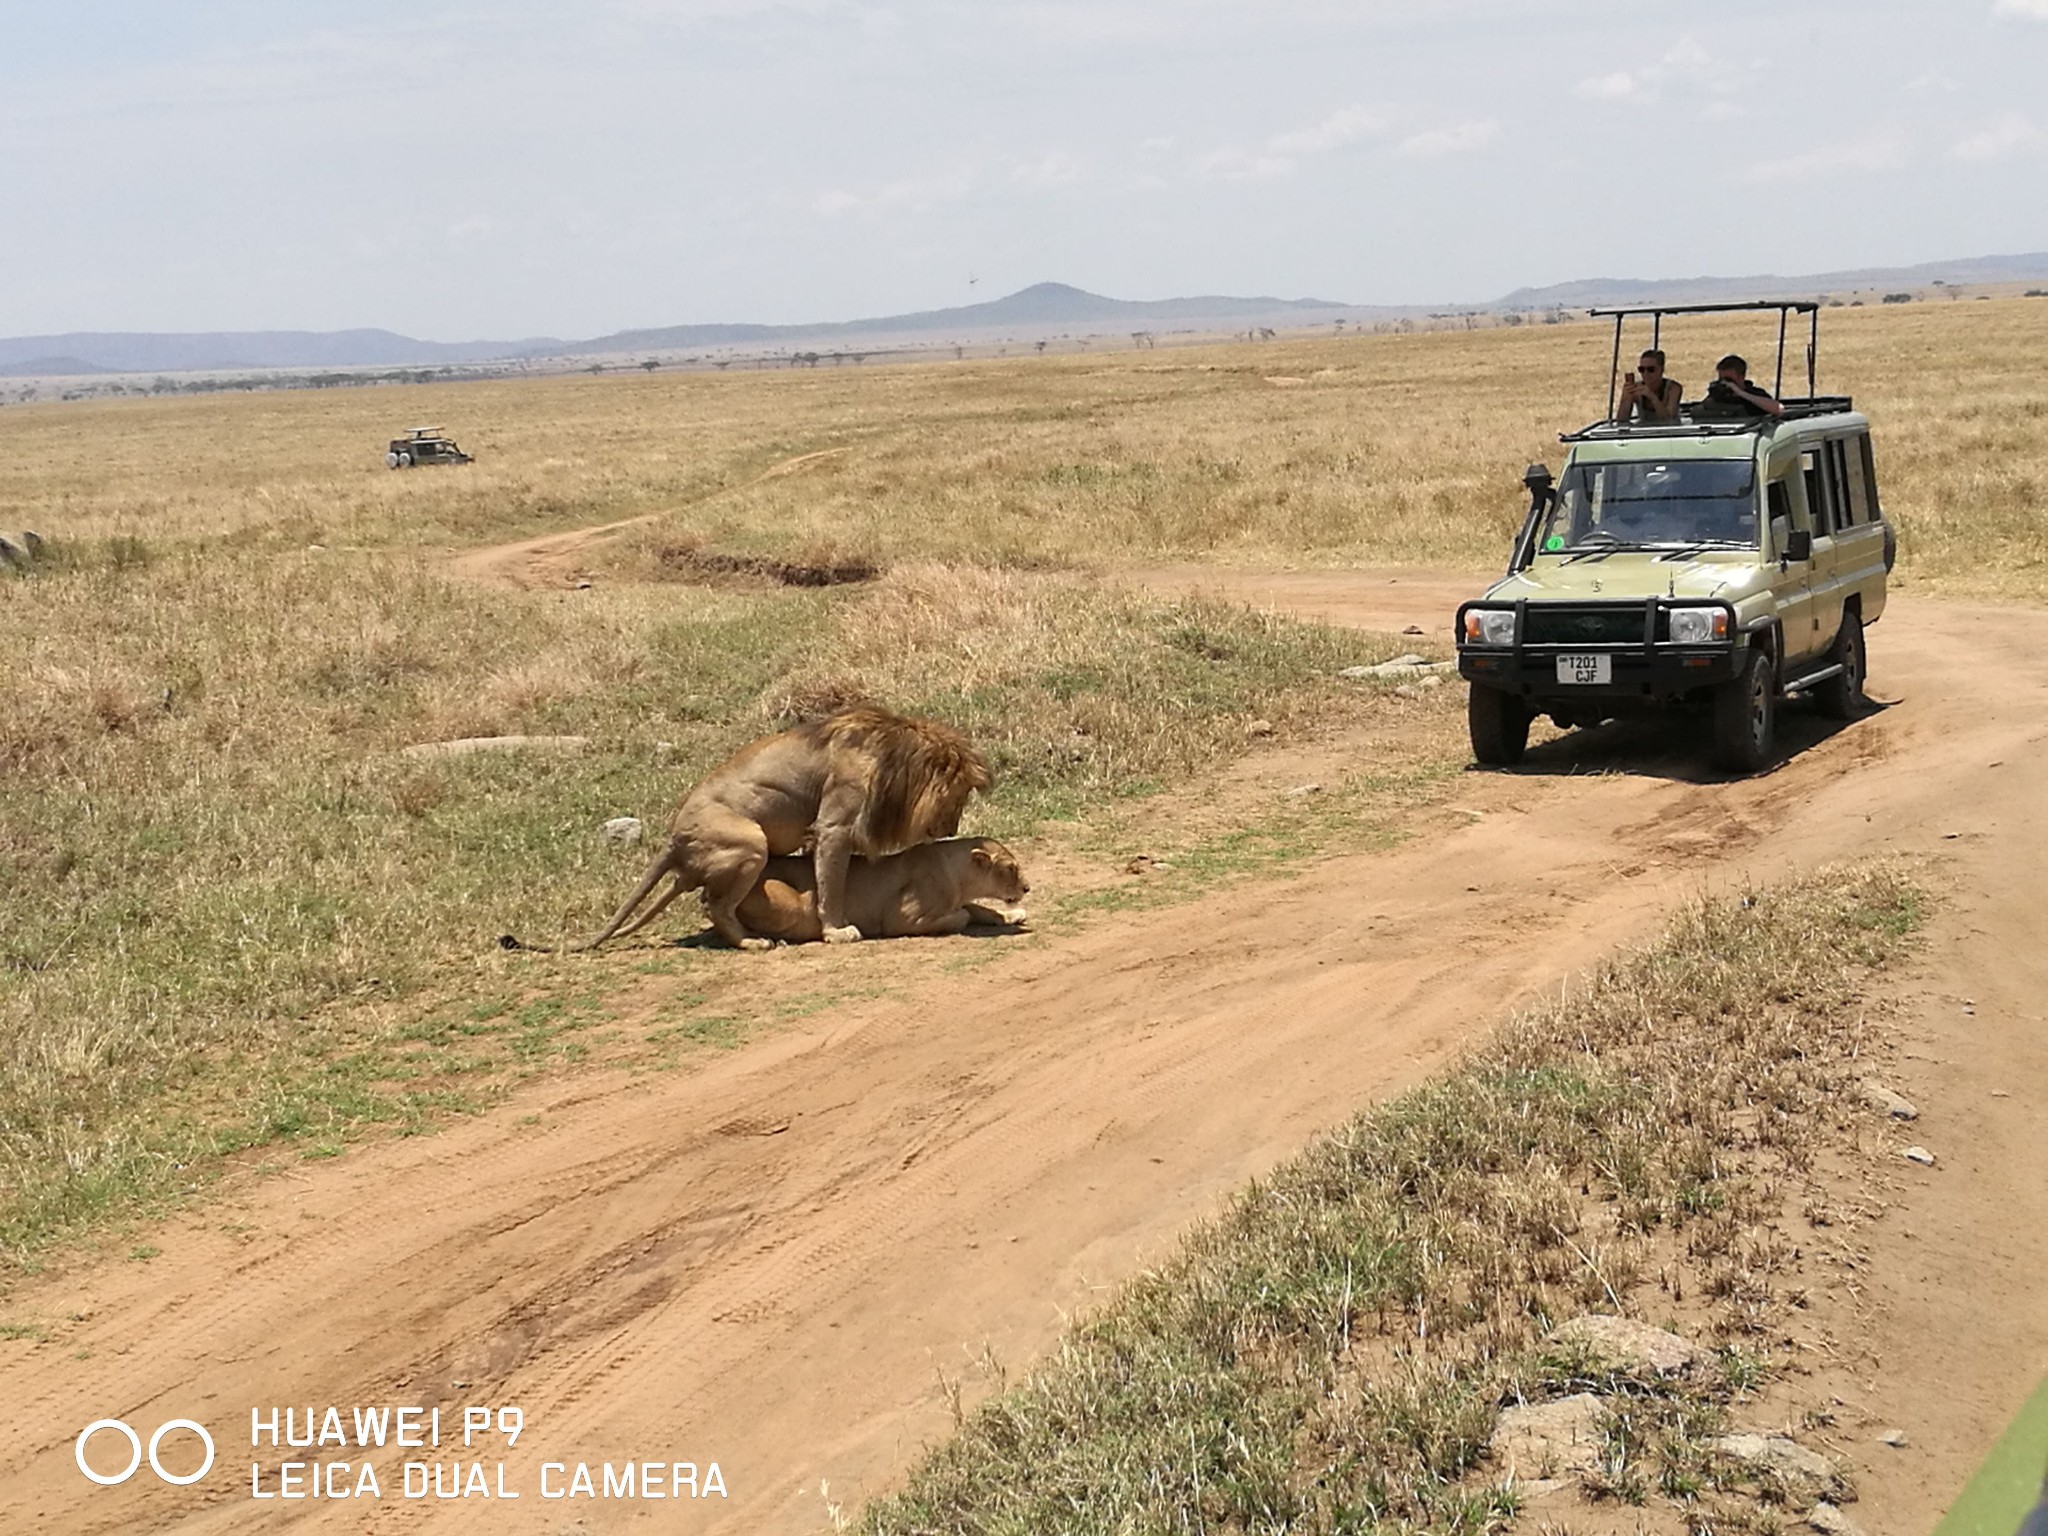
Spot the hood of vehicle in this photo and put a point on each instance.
(1638, 575)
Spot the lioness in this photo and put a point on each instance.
(861, 780)
(930, 889)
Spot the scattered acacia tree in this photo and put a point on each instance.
(651, 364)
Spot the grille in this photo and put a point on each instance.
(1546, 624)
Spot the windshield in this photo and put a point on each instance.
(1643, 502)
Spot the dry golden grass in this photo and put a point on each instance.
(1389, 448)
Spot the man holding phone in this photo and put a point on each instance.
(1646, 395)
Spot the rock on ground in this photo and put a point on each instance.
(1880, 1097)
(1542, 1440)
(1805, 1474)
(468, 744)
(1826, 1517)
(623, 829)
(1624, 1344)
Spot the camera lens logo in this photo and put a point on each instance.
(135, 1453)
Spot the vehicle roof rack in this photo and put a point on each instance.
(1689, 425)
(1786, 308)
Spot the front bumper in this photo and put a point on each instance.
(1643, 670)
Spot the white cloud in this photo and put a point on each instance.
(1458, 139)
(1282, 153)
(1874, 152)
(911, 195)
(1619, 86)
(1236, 165)
(2035, 8)
(1057, 169)
(1685, 63)
(2009, 134)
(1346, 125)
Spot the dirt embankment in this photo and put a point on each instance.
(773, 1262)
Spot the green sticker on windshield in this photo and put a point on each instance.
(1555, 541)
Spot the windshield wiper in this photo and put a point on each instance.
(1687, 551)
(1600, 552)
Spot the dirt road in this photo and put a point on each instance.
(771, 1262)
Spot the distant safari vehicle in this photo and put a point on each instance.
(1722, 558)
(424, 445)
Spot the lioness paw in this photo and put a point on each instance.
(757, 944)
(847, 935)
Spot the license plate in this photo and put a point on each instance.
(1596, 667)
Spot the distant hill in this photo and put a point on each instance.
(1037, 311)
(1040, 307)
(203, 351)
(1589, 291)
(50, 367)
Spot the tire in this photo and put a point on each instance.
(1746, 715)
(405, 461)
(1841, 696)
(1499, 725)
(391, 461)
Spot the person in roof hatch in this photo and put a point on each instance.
(1732, 390)
(1646, 395)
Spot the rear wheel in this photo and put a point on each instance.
(1841, 696)
(1745, 715)
(405, 461)
(391, 460)
(1499, 724)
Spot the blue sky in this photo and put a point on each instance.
(540, 167)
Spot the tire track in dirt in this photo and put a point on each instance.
(956, 1168)
(550, 560)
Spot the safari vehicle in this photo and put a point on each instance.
(424, 445)
(1723, 561)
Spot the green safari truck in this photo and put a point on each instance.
(1722, 561)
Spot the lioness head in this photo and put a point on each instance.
(997, 871)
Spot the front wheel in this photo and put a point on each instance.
(1745, 715)
(1841, 696)
(391, 461)
(1499, 725)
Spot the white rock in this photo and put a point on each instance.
(1623, 1343)
(1826, 1517)
(468, 744)
(1895, 1438)
(1919, 1155)
(1805, 1474)
(1540, 1440)
(623, 829)
(1304, 789)
(1880, 1097)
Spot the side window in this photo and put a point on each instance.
(1847, 511)
(1818, 503)
(1873, 508)
(1780, 502)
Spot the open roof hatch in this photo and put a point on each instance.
(1813, 404)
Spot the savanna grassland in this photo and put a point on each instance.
(237, 913)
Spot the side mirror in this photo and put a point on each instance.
(1799, 544)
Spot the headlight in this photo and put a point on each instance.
(1698, 626)
(1490, 626)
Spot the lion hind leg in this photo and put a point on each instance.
(730, 871)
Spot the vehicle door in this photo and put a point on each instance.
(1791, 584)
(1820, 465)
(1860, 539)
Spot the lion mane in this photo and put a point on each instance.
(862, 780)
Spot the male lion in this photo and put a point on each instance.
(933, 888)
(861, 780)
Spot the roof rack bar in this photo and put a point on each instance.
(1812, 353)
(1778, 386)
(1797, 306)
(1614, 368)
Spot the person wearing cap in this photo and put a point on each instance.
(1646, 395)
